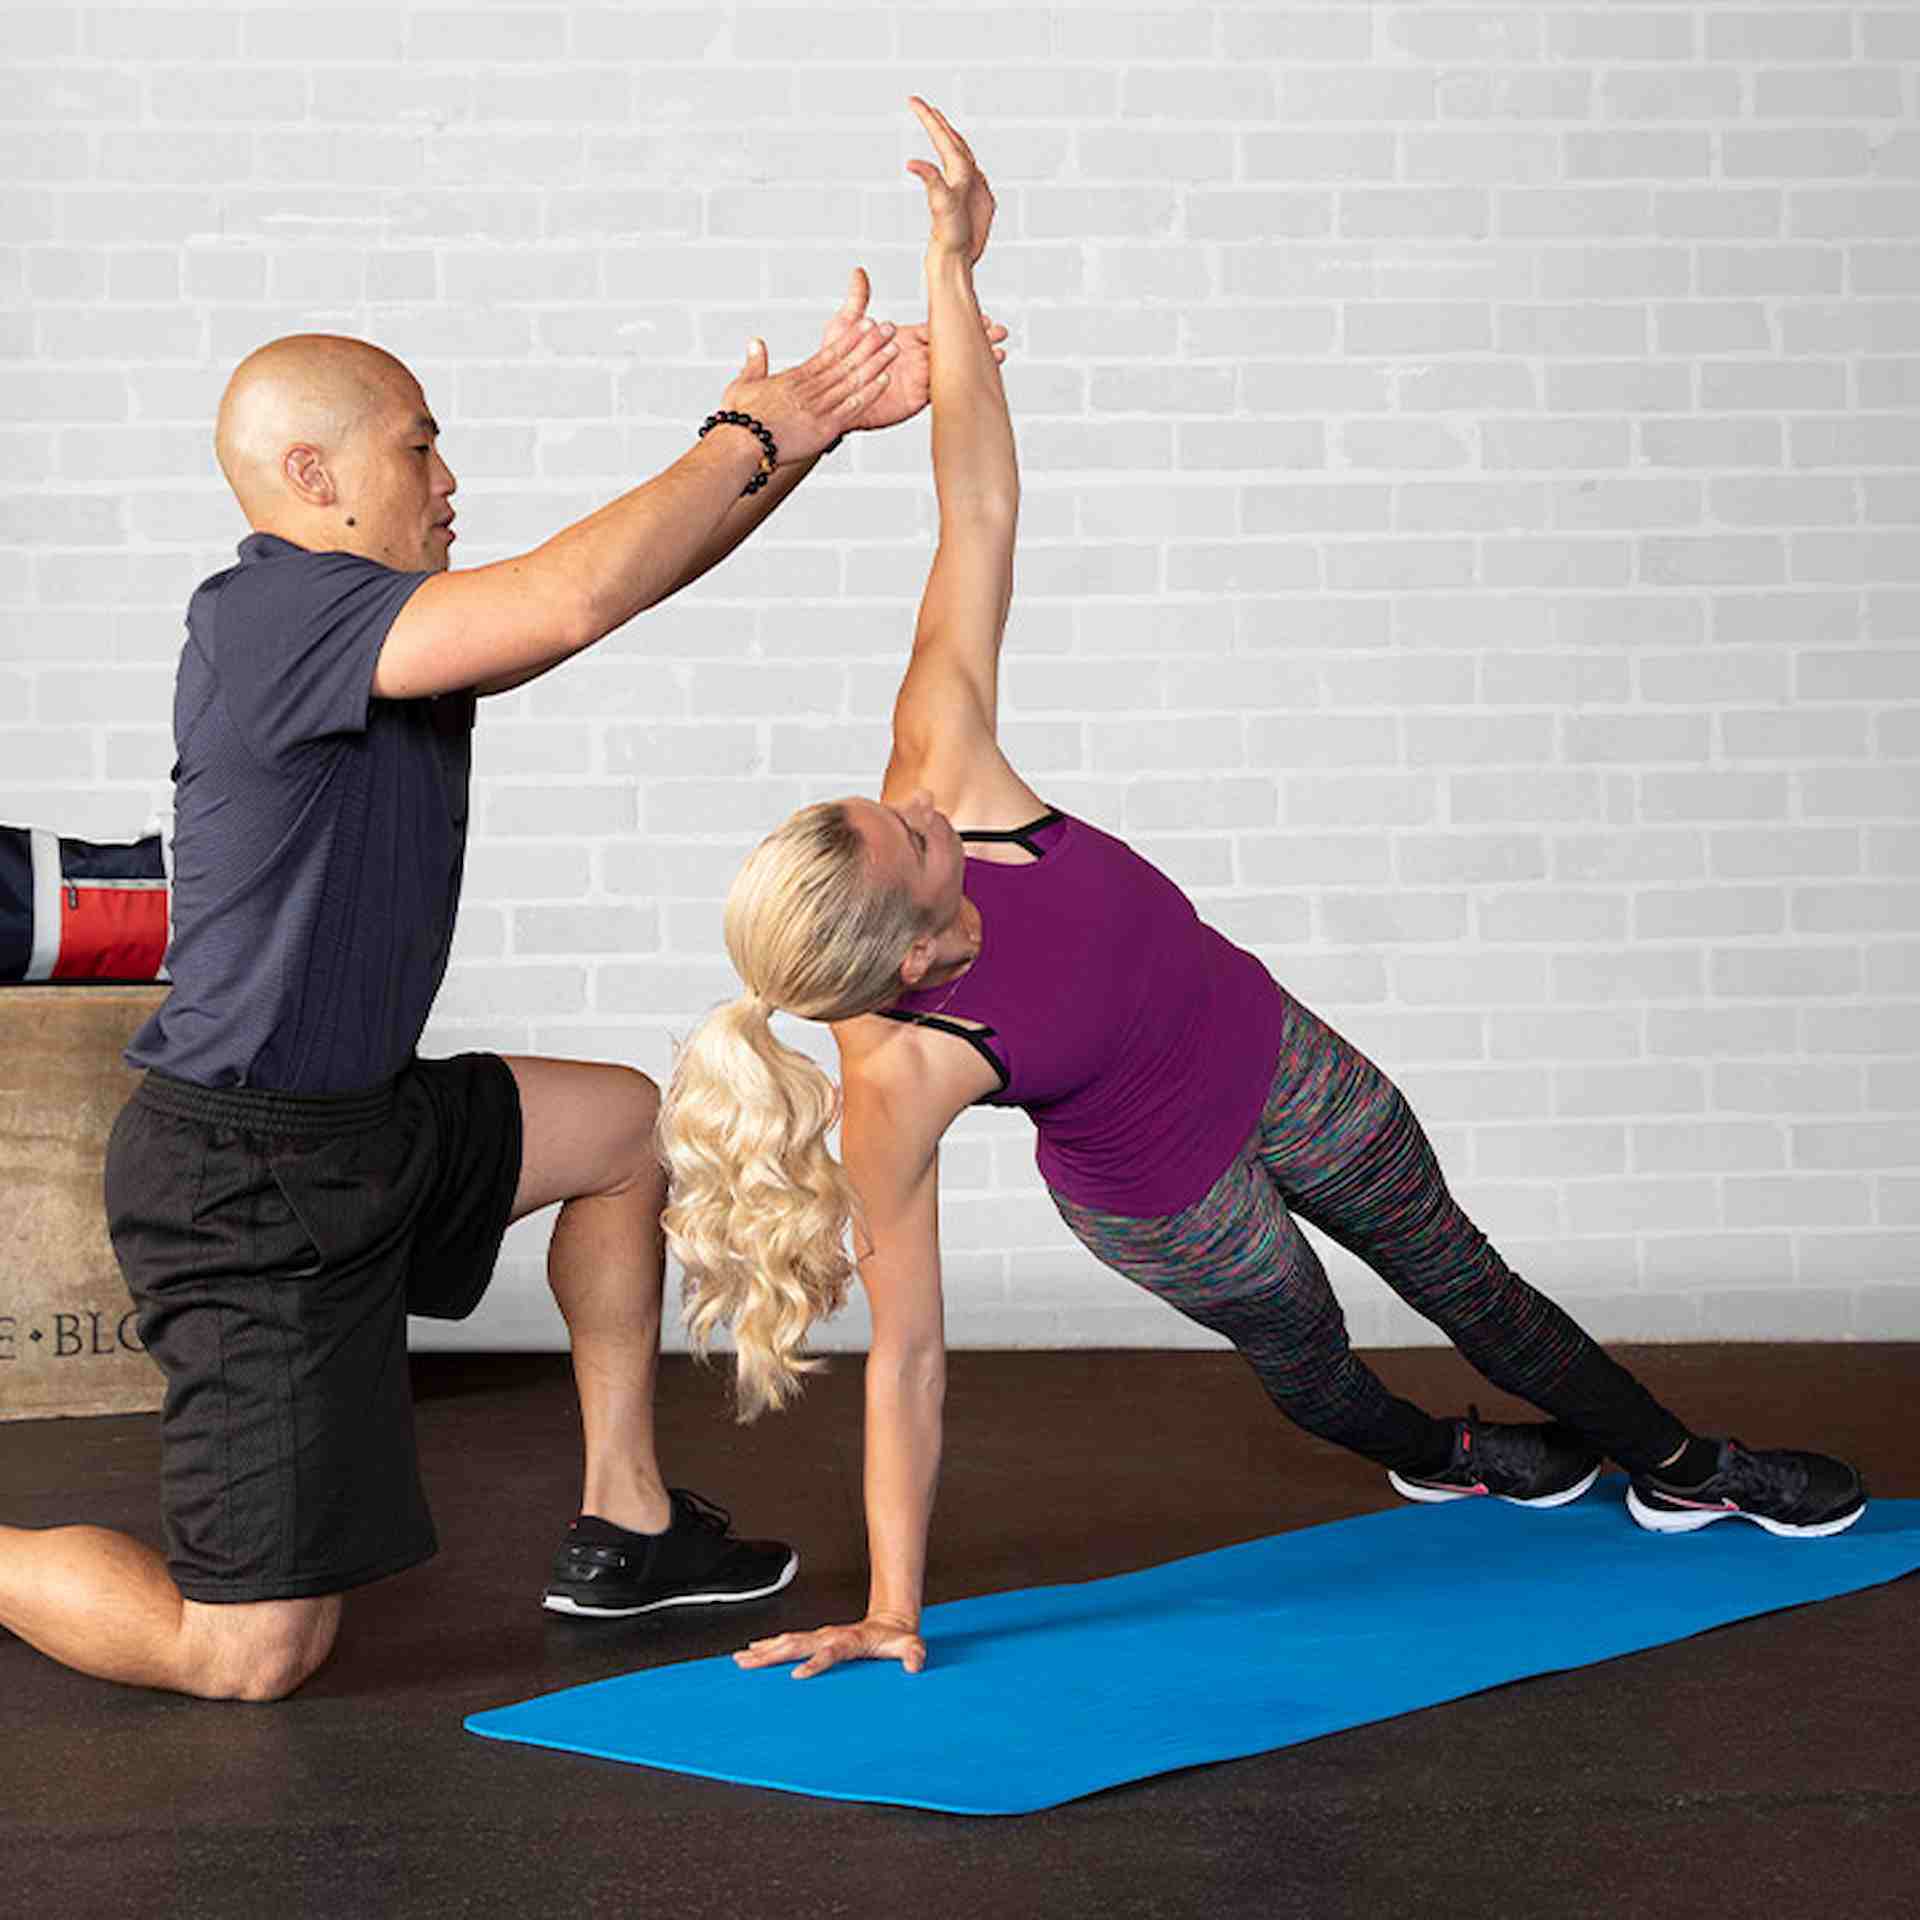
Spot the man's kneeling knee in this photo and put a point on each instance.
(263, 1651)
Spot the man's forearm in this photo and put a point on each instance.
(743, 519)
(740, 520)
(604, 569)
(636, 550)
(498, 626)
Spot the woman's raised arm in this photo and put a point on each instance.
(945, 718)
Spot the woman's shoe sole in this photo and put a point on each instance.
(1659, 1520)
(564, 1603)
(1414, 1490)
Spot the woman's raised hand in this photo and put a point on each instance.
(958, 196)
(824, 1647)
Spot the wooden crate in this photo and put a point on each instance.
(67, 1338)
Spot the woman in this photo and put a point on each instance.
(1187, 1107)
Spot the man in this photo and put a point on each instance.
(290, 1181)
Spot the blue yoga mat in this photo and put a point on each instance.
(1038, 1696)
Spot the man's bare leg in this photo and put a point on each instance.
(587, 1142)
(105, 1605)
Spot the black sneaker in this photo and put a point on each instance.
(1530, 1465)
(607, 1573)
(1799, 1495)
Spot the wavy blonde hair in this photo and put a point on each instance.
(761, 1210)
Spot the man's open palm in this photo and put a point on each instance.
(909, 377)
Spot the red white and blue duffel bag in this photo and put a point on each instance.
(74, 910)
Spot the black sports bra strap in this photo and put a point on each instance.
(975, 1037)
(1017, 836)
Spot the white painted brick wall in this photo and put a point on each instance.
(1470, 536)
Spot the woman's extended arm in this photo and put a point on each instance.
(907, 1359)
(945, 718)
(901, 1096)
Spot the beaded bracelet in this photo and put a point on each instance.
(769, 453)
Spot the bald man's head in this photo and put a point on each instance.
(327, 441)
(311, 388)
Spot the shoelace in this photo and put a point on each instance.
(1516, 1450)
(1785, 1478)
(691, 1512)
(700, 1514)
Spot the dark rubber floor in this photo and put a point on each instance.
(1768, 1768)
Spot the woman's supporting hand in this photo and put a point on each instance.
(958, 196)
(873, 1638)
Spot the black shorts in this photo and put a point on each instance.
(274, 1245)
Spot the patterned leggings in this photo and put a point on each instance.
(1338, 1145)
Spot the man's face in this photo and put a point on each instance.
(392, 484)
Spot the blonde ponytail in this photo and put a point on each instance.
(761, 1210)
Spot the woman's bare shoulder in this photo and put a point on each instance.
(909, 1070)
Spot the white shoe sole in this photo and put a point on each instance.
(561, 1603)
(1435, 1496)
(1658, 1520)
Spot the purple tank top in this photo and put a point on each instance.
(1141, 1042)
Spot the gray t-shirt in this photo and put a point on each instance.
(319, 833)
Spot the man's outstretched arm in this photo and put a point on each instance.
(500, 625)
(906, 392)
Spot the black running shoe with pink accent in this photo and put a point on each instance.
(1797, 1495)
(1528, 1464)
